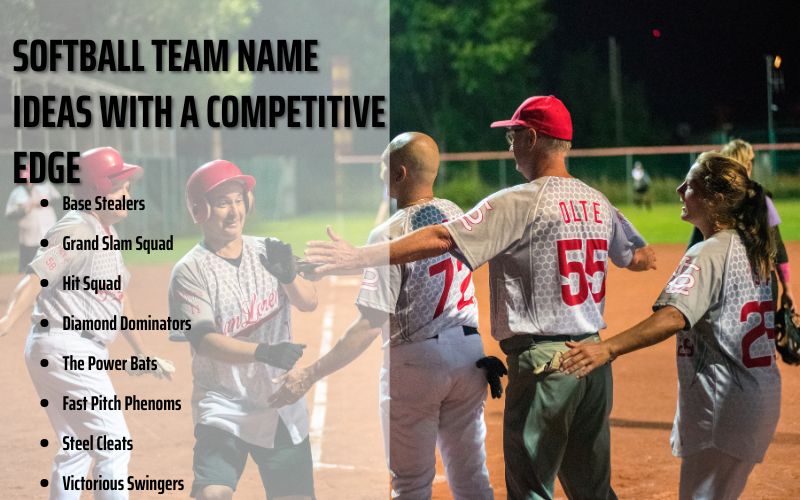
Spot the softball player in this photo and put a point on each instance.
(719, 304)
(547, 243)
(102, 173)
(237, 290)
(30, 206)
(429, 319)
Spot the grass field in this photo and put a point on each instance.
(662, 224)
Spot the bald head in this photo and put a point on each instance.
(418, 153)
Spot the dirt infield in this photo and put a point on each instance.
(645, 391)
(350, 444)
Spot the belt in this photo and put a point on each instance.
(84, 334)
(521, 342)
(468, 330)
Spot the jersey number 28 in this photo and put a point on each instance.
(590, 267)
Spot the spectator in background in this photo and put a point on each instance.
(29, 205)
(641, 186)
(742, 152)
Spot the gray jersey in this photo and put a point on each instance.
(54, 263)
(247, 303)
(424, 297)
(548, 243)
(728, 379)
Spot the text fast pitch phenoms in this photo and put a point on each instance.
(170, 55)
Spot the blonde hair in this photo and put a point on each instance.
(737, 202)
(739, 150)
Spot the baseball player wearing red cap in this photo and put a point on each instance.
(548, 243)
(237, 290)
(103, 173)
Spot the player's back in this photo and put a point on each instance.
(431, 294)
(728, 375)
(548, 243)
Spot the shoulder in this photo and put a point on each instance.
(382, 232)
(188, 267)
(76, 224)
(252, 242)
(716, 245)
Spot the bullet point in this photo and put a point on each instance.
(43, 242)
(44, 363)
(44, 323)
(44, 483)
(43, 403)
(44, 443)
(43, 282)
(44, 203)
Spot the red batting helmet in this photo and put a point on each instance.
(208, 177)
(100, 168)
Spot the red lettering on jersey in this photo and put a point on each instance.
(575, 216)
(683, 279)
(104, 295)
(586, 268)
(255, 312)
(764, 310)
(476, 216)
(564, 213)
(596, 207)
(369, 281)
(585, 213)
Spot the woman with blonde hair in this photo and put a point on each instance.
(718, 303)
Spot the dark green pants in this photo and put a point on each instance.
(556, 425)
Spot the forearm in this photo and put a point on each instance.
(226, 349)
(302, 294)
(430, 241)
(22, 297)
(643, 259)
(658, 327)
(355, 341)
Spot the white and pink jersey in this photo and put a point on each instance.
(237, 299)
(425, 297)
(729, 385)
(56, 264)
(548, 243)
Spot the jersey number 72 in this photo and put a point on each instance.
(446, 266)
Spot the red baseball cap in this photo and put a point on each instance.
(545, 114)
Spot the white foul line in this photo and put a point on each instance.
(321, 390)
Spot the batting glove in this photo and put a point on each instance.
(281, 355)
(279, 260)
(494, 369)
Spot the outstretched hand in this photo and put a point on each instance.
(295, 383)
(334, 255)
(644, 259)
(583, 358)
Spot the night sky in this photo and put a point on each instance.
(705, 65)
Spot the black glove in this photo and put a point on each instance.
(281, 355)
(494, 369)
(279, 260)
